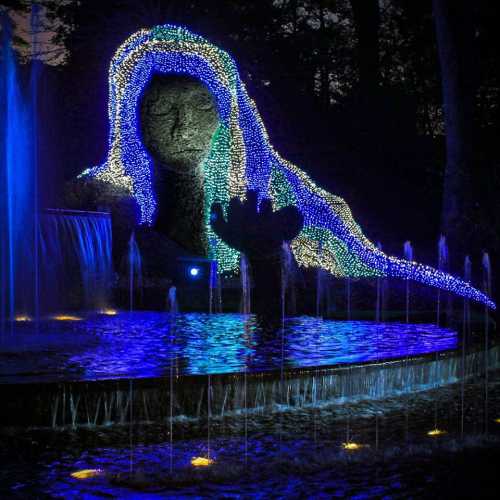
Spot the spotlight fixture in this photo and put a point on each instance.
(66, 317)
(201, 461)
(436, 432)
(86, 473)
(22, 318)
(109, 312)
(351, 446)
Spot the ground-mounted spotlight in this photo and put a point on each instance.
(22, 318)
(66, 317)
(201, 461)
(436, 432)
(194, 272)
(195, 276)
(351, 446)
(109, 312)
(86, 473)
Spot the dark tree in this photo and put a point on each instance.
(367, 21)
(455, 38)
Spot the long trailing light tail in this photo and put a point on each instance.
(430, 276)
(371, 260)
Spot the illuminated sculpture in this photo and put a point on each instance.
(240, 158)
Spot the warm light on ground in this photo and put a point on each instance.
(109, 312)
(22, 317)
(86, 473)
(352, 446)
(436, 432)
(66, 317)
(201, 461)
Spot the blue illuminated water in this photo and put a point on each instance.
(18, 191)
(142, 344)
(134, 263)
(75, 259)
(305, 460)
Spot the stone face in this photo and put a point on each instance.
(178, 119)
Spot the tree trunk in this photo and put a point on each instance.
(455, 40)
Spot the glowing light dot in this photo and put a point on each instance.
(109, 312)
(86, 473)
(22, 317)
(66, 317)
(194, 271)
(436, 432)
(351, 446)
(201, 461)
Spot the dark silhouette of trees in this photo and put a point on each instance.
(455, 37)
(366, 16)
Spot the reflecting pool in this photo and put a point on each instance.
(149, 344)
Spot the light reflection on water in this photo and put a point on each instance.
(144, 344)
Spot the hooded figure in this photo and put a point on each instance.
(238, 158)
